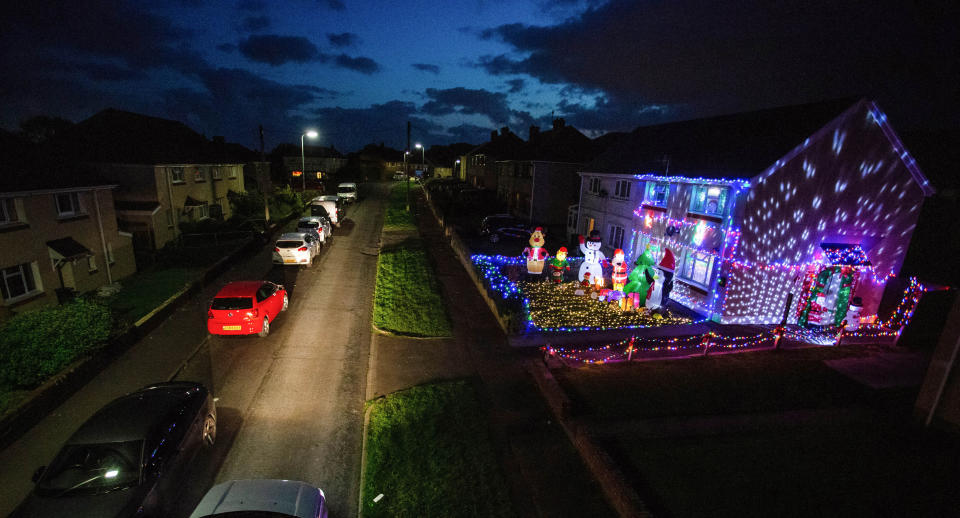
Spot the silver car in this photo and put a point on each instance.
(317, 226)
(275, 498)
(296, 248)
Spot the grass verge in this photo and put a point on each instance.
(397, 217)
(407, 298)
(429, 453)
(144, 291)
(762, 381)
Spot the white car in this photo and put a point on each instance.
(296, 248)
(317, 226)
(327, 208)
(274, 498)
(347, 191)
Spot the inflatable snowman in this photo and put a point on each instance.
(592, 256)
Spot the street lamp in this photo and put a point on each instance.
(406, 177)
(456, 167)
(423, 159)
(303, 166)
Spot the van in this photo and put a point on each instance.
(326, 208)
(348, 191)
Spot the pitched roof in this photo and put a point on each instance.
(736, 145)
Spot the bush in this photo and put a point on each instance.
(38, 344)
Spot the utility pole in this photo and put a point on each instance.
(263, 181)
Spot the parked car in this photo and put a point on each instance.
(399, 176)
(500, 226)
(317, 226)
(130, 458)
(348, 191)
(296, 248)
(326, 208)
(336, 199)
(246, 308)
(262, 499)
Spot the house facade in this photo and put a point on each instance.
(59, 240)
(538, 191)
(821, 228)
(153, 199)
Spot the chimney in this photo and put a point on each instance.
(504, 130)
(559, 123)
(534, 133)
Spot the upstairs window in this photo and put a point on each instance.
(709, 199)
(176, 174)
(198, 175)
(594, 186)
(623, 190)
(233, 172)
(68, 204)
(657, 194)
(215, 173)
(8, 211)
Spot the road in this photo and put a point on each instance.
(290, 405)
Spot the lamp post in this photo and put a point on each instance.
(423, 159)
(456, 167)
(303, 166)
(406, 177)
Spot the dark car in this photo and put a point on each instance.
(130, 458)
(505, 226)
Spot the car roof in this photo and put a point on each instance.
(134, 416)
(289, 497)
(240, 289)
(347, 184)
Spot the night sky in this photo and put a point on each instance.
(358, 71)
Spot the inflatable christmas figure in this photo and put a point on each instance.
(558, 265)
(592, 256)
(655, 292)
(667, 265)
(585, 285)
(535, 254)
(640, 279)
(618, 277)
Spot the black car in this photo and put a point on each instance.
(505, 226)
(130, 458)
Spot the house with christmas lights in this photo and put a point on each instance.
(804, 210)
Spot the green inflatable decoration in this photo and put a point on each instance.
(641, 277)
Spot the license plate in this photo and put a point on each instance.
(290, 260)
(231, 328)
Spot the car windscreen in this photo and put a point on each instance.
(308, 224)
(93, 468)
(346, 189)
(232, 303)
(318, 210)
(289, 244)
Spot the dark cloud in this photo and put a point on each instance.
(276, 50)
(111, 72)
(255, 23)
(426, 67)
(228, 48)
(361, 64)
(516, 85)
(468, 101)
(335, 5)
(351, 128)
(344, 39)
(722, 57)
(251, 5)
(469, 133)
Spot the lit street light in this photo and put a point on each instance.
(406, 177)
(423, 158)
(303, 166)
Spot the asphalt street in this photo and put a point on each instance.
(290, 405)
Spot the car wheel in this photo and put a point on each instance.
(209, 431)
(494, 237)
(265, 330)
(286, 302)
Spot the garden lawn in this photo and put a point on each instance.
(397, 216)
(144, 291)
(407, 298)
(430, 454)
(742, 383)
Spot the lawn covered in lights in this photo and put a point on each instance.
(429, 453)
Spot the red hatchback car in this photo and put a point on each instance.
(246, 307)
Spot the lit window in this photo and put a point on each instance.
(233, 172)
(697, 267)
(594, 186)
(623, 190)
(68, 204)
(616, 237)
(215, 173)
(176, 174)
(657, 193)
(198, 175)
(17, 281)
(709, 199)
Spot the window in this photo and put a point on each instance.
(697, 267)
(17, 281)
(233, 172)
(588, 224)
(572, 217)
(92, 263)
(176, 174)
(215, 173)
(616, 237)
(594, 186)
(709, 199)
(657, 193)
(8, 211)
(198, 175)
(110, 258)
(623, 189)
(68, 204)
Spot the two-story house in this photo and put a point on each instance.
(58, 236)
(478, 166)
(823, 225)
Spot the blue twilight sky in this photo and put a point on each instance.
(357, 71)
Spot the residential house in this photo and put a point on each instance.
(167, 173)
(479, 165)
(318, 164)
(58, 235)
(824, 223)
